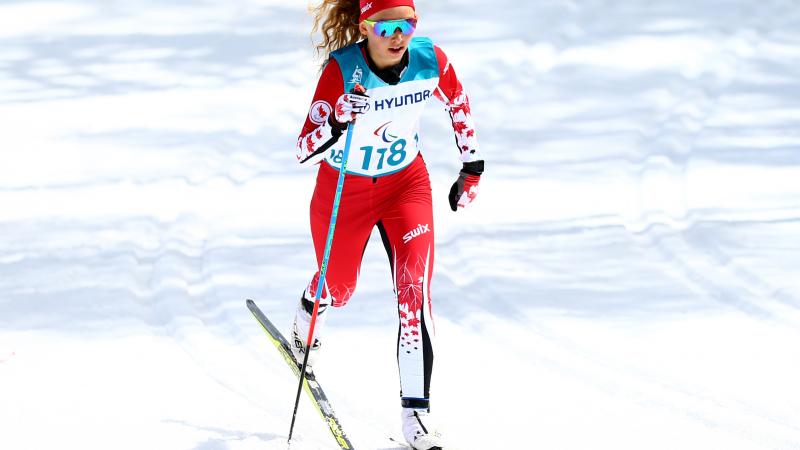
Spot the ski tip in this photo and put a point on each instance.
(249, 302)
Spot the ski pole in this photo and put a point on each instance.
(325, 256)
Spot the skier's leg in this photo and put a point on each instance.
(412, 266)
(353, 227)
(408, 234)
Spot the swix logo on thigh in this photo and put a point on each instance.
(420, 230)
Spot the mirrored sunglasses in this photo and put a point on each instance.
(386, 28)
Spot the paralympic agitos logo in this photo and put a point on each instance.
(383, 133)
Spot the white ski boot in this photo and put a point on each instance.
(419, 431)
(302, 322)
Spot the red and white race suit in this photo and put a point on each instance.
(395, 198)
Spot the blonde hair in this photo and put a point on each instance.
(338, 22)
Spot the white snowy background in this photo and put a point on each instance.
(627, 280)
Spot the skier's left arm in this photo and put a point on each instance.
(452, 94)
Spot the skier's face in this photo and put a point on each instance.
(388, 41)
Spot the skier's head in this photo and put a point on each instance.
(386, 24)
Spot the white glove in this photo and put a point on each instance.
(350, 106)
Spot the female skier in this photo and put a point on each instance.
(369, 43)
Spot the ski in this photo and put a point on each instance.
(310, 384)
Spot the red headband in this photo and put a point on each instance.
(370, 7)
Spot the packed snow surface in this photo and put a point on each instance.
(627, 278)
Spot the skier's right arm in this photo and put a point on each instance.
(321, 130)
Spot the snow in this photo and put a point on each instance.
(626, 279)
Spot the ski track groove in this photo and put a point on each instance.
(648, 389)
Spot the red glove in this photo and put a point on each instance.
(465, 189)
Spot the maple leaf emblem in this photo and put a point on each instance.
(459, 127)
(461, 107)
